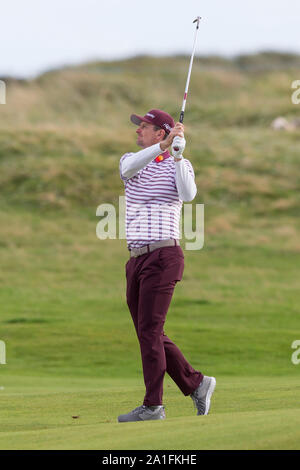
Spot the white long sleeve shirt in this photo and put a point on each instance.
(185, 181)
(155, 188)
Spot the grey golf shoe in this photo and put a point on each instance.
(202, 395)
(143, 413)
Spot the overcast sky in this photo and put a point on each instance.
(36, 35)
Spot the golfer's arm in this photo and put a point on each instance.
(136, 161)
(185, 182)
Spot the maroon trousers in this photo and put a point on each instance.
(151, 279)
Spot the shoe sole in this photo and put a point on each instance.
(153, 419)
(139, 417)
(210, 391)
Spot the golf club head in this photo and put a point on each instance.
(197, 20)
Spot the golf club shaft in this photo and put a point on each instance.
(189, 74)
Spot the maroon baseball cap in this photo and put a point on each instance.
(157, 118)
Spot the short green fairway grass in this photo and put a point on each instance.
(248, 413)
(72, 351)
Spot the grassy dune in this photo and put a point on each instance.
(71, 348)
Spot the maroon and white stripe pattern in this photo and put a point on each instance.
(153, 205)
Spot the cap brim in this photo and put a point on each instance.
(138, 119)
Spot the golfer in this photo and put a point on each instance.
(156, 184)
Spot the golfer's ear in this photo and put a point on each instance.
(162, 133)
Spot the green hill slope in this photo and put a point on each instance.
(63, 133)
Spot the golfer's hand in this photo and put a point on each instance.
(178, 147)
(177, 130)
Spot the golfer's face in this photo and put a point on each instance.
(146, 135)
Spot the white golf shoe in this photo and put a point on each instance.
(143, 413)
(202, 395)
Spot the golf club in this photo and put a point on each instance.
(197, 20)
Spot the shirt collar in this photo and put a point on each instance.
(165, 155)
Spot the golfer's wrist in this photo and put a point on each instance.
(163, 146)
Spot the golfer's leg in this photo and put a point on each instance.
(154, 299)
(132, 290)
(183, 374)
(178, 368)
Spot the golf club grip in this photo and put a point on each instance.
(181, 121)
